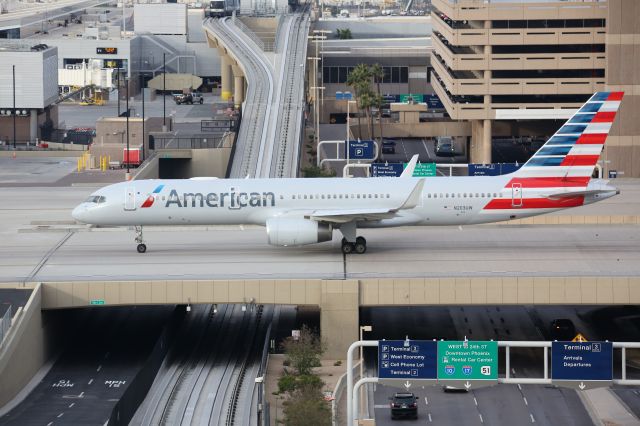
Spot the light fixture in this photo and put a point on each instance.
(215, 309)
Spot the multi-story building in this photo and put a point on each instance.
(526, 65)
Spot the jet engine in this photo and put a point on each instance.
(283, 231)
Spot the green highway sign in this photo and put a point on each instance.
(468, 363)
(97, 302)
(414, 97)
(423, 169)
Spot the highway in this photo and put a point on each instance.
(106, 349)
(501, 404)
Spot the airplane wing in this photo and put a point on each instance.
(348, 215)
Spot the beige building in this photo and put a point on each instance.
(526, 65)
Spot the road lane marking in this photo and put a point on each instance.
(430, 417)
(475, 400)
(99, 368)
(72, 404)
(532, 419)
(90, 381)
(519, 387)
(426, 401)
(81, 395)
(481, 419)
(49, 424)
(60, 415)
(525, 400)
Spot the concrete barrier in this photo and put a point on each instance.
(23, 351)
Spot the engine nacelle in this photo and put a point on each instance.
(283, 231)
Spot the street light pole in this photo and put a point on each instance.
(362, 329)
(128, 158)
(144, 139)
(14, 107)
(164, 90)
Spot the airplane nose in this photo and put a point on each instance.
(79, 213)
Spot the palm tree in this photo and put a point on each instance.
(358, 78)
(378, 75)
(367, 101)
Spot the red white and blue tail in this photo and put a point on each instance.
(572, 152)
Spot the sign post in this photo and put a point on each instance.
(582, 365)
(468, 363)
(401, 362)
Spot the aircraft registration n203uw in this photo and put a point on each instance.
(307, 211)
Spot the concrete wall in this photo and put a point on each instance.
(24, 350)
(376, 28)
(209, 162)
(623, 74)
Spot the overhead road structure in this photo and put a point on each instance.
(243, 60)
(268, 143)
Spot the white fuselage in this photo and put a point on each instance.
(443, 201)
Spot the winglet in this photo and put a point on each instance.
(414, 198)
(411, 166)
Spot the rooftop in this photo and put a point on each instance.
(21, 46)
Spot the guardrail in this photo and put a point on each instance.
(193, 142)
(5, 324)
(265, 46)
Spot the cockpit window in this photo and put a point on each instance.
(96, 199)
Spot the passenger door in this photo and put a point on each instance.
(516, 195)
(130, 198)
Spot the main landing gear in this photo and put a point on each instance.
(359, 247)
(142, 247)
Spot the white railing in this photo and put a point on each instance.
(5, 324)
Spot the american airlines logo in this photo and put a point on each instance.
(149, 201)
(230, 200)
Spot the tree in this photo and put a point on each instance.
(306, 407)
(304, 353)
(344, 34)
(359, 79)
(312, 171)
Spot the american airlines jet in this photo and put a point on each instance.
(307, 211)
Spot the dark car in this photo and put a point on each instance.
(562, 329)
(388, 146)
(445, 147)
(404, 404)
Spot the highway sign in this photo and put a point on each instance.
(387, 169)
(402, 361)
(411, 97)
(468, 363)
(343, 96)
(361, 150)
(424, 169)
(96, 302)
(433, 101)
(582, 365)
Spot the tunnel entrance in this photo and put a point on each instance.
(174, 168)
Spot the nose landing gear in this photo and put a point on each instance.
(142, 247)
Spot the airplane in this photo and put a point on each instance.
(302, 211)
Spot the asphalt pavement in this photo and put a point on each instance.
(99, 362)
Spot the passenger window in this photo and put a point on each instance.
(428, 195)
(446, 195)
(305, 197)
(376, 195)
(477, 195)
(388, 196)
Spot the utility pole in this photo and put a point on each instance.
(14, 107)
(164, 90)
(128, 157)
(144, 139)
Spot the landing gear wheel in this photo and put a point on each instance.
(361, 240)
(360, 248)
(201, 101)
(347, 247)
(142, 247)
